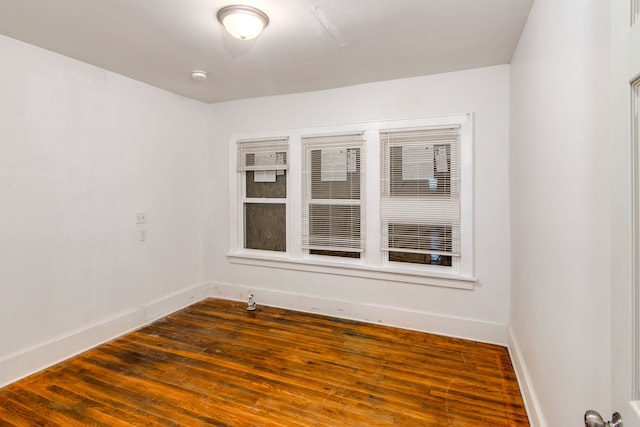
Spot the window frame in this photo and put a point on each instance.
(348, 141)
(373, 263)
(412, 207)
(245, 200)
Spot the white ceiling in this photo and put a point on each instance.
(161, 41)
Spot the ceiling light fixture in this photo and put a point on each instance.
(198, 75)
(243, 22)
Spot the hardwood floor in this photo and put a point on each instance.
(215, 364)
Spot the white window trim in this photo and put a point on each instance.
(241, 188)
(373, 264)
(356, 141)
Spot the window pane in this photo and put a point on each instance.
(342, 254)
(429, 175)
(429, 240)
(270, 187)
(265, 226)
(332, 227)
(426, 259)
(349, 188)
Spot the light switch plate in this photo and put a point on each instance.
(141, 218)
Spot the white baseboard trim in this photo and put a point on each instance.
(457, 327)
(531, 402)
(19, 365)
(25, 363)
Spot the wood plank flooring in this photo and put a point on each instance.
(215, 364)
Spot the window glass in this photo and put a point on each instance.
(265, 226)
(272, 189)
(420, 195)
(348, 188)
(433, 239)
(424, 175)
(334, 225)
(390, 199)
(332, 213)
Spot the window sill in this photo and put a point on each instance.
(391, 274)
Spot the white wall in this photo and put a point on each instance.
(480, 314)
(82, 150)
(560, 190)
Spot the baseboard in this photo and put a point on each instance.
(25, 363)
(534, 412)
(458, 327)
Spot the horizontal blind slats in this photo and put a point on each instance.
(263, 154)
(420, 211)
(420, 190)
(343, 139)
(332, 212)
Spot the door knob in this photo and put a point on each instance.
(593, 419)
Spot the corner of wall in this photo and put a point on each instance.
(531, 403)
(30, 361)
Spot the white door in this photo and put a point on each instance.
(625, 45)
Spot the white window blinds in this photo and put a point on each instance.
(420, 194)
(332, 192)
(263, 155)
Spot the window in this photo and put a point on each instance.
(390, 200)
(263, 165)
(332, 212)
(420, 195)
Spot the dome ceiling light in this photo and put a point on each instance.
(198, 75)
(243, 22)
